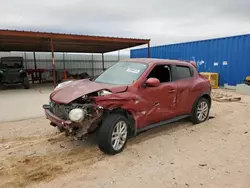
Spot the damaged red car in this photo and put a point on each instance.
(129, 97)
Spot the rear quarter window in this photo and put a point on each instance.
(184, 72)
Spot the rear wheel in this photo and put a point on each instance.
(200, 111)
(113, 134)
(26, 83)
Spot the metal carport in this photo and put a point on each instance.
(28, 41)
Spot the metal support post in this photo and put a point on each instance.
(64, 67)
(148, 49)
(35, 66)
(103, 66)
(53, 62)
(92, 65)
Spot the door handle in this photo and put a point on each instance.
(171, 90)
(156, 103)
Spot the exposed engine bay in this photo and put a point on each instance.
(83, 114)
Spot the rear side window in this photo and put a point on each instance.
(183, 72)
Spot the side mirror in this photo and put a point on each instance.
(152, 82)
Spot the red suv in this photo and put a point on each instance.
(129, 97)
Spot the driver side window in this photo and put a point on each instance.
(161, 72)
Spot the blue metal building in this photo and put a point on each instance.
(229, 56)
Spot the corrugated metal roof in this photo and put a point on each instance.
(14, 40)
(72, 34)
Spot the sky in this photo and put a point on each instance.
(162, 21)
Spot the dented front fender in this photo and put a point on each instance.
(137, 106)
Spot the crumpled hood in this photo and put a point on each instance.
(73, 90)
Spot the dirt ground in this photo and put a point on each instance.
(213, 154)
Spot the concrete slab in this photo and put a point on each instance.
(243, 89)
(19, 104)
(226, 86)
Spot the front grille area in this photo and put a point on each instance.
(60, 111)
(11, 77)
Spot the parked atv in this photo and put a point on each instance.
(12, 71)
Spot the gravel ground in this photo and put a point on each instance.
(213, 154)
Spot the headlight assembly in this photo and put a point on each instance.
(77, 115)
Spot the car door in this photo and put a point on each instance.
(185, 81)
(162, 99)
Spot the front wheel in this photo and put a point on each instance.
(113, 134)
(26, 83)
(201, 111)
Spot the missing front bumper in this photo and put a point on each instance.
(76, 130)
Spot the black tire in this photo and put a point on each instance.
(26, 83)
(1, 86)
(106, 130)
(194, 116)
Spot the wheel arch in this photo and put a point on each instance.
(129, 116)
(23, 75)
(208, 97)
(203, 95)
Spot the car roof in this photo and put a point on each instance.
(154, 60)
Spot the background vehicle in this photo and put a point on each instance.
(247, 80)
(13, 72)
(130, 97)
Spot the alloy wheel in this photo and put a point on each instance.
(119, 135)
(202, 111)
